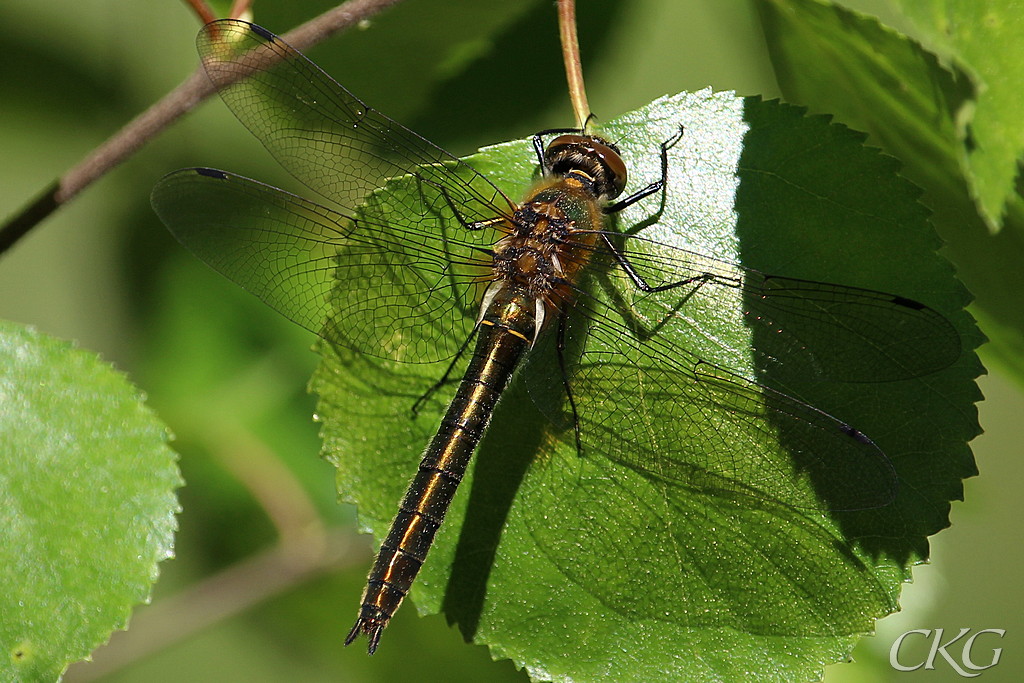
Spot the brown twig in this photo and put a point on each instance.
(202, 10)
(573, 64)
(144, 127)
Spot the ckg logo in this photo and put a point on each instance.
(964, 664)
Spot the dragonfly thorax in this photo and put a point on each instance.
(550, 239)
(529, 257)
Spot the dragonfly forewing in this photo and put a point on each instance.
(391, 290)
(694, 425)
(803, 328)
(325, 136)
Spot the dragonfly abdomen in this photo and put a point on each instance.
(505, 333)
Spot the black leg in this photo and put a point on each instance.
(538, 148)
(657, 185)
(467, 224)
(446, 377)
(639, 281)
(559, 131)
(538, 141)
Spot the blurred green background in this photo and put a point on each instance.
(228, 374)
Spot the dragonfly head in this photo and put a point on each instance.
(591, 156)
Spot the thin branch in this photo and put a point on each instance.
(147, 125)
(573, 65)
(134, 135)
(36, 211)
(202, 10)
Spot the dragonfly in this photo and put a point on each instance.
(454, 272)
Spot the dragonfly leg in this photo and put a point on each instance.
(638, 279)
(463, 221)
(657, 185)
(538, 142)
(446, 378)
(538, 148)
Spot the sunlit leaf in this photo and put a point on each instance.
(587, 567)
(88, 503)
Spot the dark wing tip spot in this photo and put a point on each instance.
(262, 32)
(212, 173)
(908, 303)
(856, 434)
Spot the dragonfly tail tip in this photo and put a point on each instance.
(373, 628)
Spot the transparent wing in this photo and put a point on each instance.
(650, 374)
(803, 329)
(399, 290)
(658, 409)
(324, 135)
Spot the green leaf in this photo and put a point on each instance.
(588, 568)
(88, 503)
(978, 36)
(878, 80)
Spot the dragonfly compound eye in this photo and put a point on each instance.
(590, 156)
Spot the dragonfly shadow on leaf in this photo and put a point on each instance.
(860, 355)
